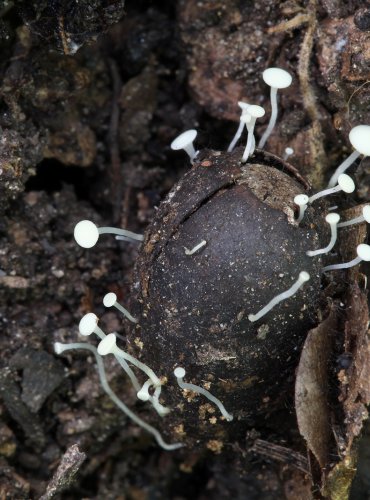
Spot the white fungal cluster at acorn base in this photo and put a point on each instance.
(87, 235)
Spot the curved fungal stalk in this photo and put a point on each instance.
(89, 325)
(86, 233)
(254, 112)
(244, 106)
(108, 346)
(185, 141)
(333, 220)
(302, 201)
(359, 137)
(196, 248)
(276, 78)
(363, 253)
(110, 300)
(179, 373)
(288, 152)
(345, 183)
(302, 279)
(144, 395)
(60, 348)
(365, 217)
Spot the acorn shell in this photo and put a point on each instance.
(193, 309)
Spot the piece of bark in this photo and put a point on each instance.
(65, 473)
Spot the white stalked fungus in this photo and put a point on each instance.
(302, 279)
(250, 117)
(87, 233)
(365, 217)
(179, 373)
(302, 201)
(244, 107)
(359, 137)
(185, 141)
(363, 253)
(276, 78)
(110, 300)
(345, 184)
(333, 220)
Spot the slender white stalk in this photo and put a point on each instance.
(301, 200)
(303, 277)
(180, 373)
(273, 118)
(108, 346)
(333, 220)
(110, 300)
(196, 248)
(345, 183)
(365, 217)
(344, 265)
(59, 348)
(343, 167)
(121, 232)
(236, 137)
(249, 147)
(363, 253)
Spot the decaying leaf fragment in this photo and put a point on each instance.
(311, 389)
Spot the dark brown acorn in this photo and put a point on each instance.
(193, 309)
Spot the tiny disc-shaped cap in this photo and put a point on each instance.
(332, 218)
(346, 183)
(366, 213)
(179, 372)
(86, 233)
(289, 151)
(277, 78)
(360, 139)
(110, 299)
(58, 348)
(304, 276)
(87, 324)
(363, 251)
(256, 111)
(107, 344)
(301, 199)
(184, 139)
(143, 395)
(245, 117)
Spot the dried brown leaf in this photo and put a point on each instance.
(311, 389)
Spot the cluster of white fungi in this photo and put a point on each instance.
(87, 234)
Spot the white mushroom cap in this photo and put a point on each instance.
(86, 233)
(58, 348)
(301, 199)
(87, 324)
(256, 111)
(107, 344)
(109, 299)
(360, 139)
(363, 251)
(289, 151)
(366, 213)
(303, 276)
(179, 372)
(277, 78)
(346, 183)
(332, 218)
(184, 139)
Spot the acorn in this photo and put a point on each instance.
(223, 244)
